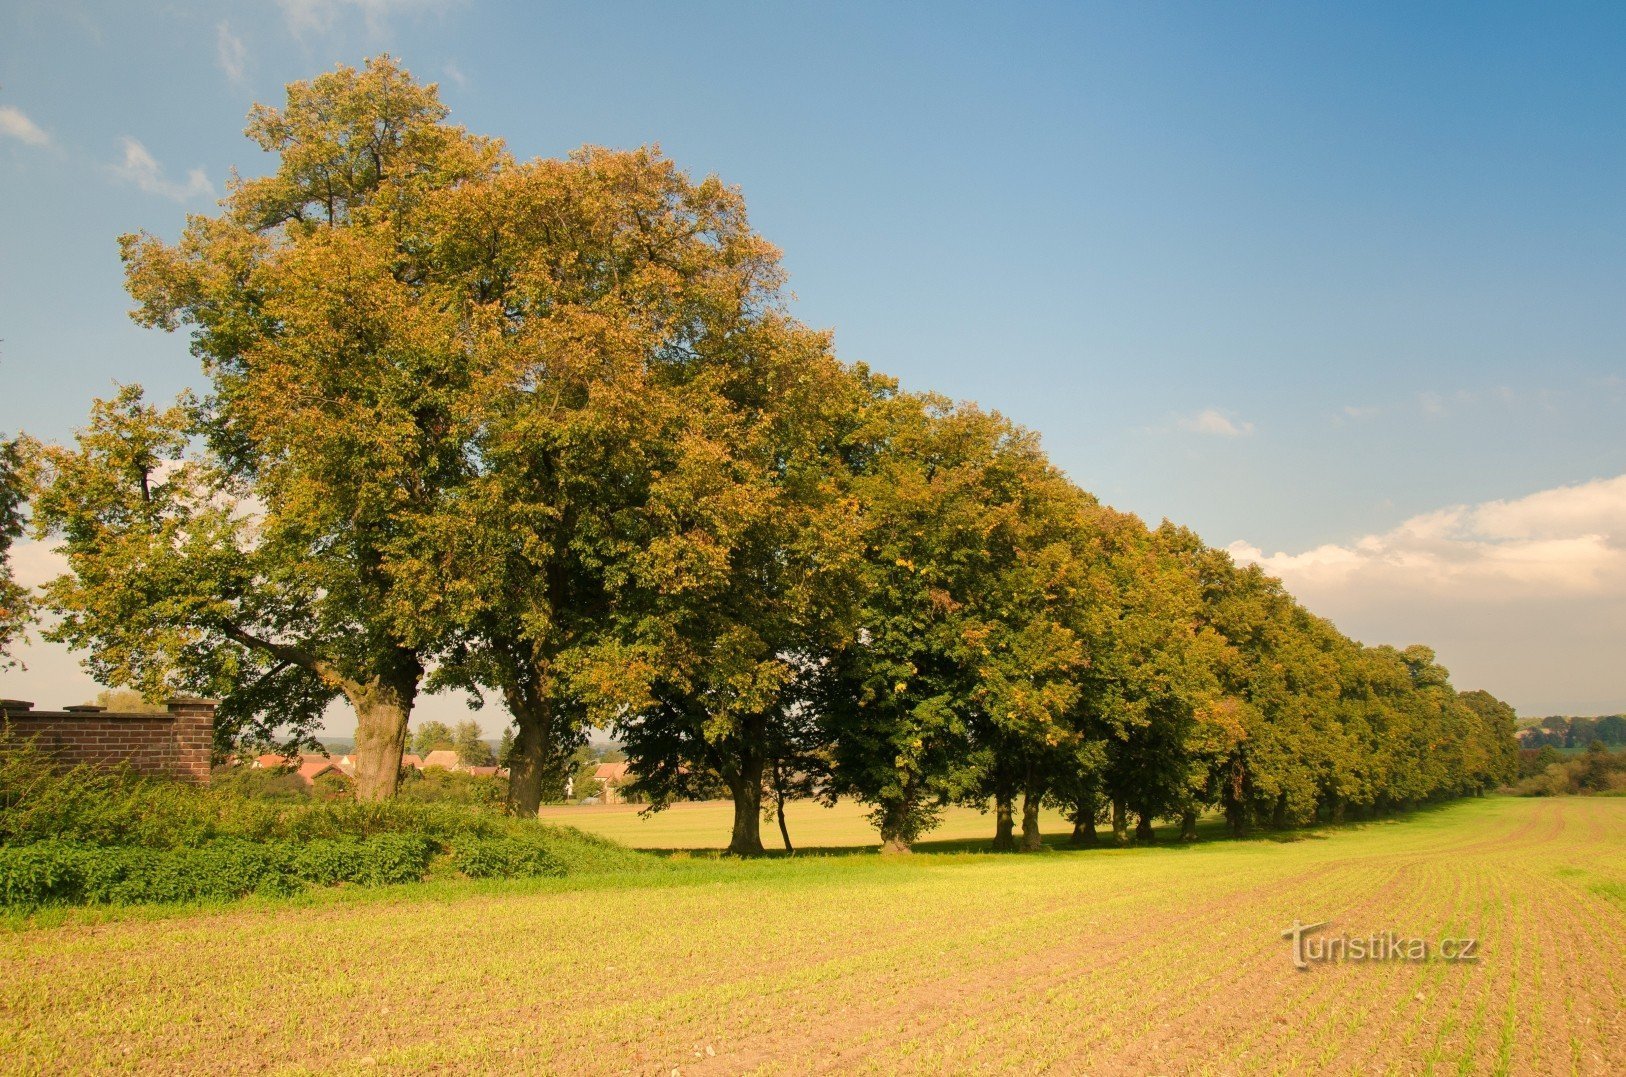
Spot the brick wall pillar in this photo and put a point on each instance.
(194, 727)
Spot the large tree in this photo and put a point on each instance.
(346, 361)
(632, 294)
(748, 585)
(971, 624)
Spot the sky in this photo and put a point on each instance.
(1338, 286)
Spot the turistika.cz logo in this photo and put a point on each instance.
(1312, 949)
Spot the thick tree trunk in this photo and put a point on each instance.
(1032, 840)
(1004, 827)
(1235, 818)
(1083, 831)
(1143, 828)
(527, 767)
(1120, 823)
(382, 711)
(895, 826)
(746, 787)
(1188, 825)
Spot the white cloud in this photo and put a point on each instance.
(307, 17)
(142, 169)
(15, 124)
(1214, 422)
(230, 53)
(1529, 592)
(455, 74)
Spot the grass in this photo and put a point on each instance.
(1165, 959)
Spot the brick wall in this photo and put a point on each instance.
(176, 744)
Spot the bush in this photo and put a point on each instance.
(60, 873)
(86, 835)
(505, 858)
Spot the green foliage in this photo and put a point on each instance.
(1596, 770)
(431, 736)
(470, 745)
(61, 873)
(504, 857)
(1564, 731)
(88, 835)
(15, 606)
(439, 786)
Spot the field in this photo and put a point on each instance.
(812, 826)
(1155, 960)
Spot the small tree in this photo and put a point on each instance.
(471, 748)
(433, 736)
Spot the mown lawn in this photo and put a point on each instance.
(1157, 960)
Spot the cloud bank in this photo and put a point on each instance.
(1525, 595)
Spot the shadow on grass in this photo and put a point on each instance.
(1211, 829)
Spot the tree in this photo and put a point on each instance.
(14, 602)
(964, 657)
(127, 701)
(470, 745)
(347, 362)
(432, 736)
(633, 295)
(1495, 747)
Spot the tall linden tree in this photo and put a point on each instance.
(346, 364)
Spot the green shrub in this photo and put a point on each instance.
(41, 874)
(86, 835)
(504, 858)
(392, 858)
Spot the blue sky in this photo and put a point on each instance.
(1299, 276)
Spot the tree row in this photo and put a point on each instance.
(545, 432)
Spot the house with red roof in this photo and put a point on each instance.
(611, 776)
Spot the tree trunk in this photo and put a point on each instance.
(779, 808)
(1120, 823)
(1235, 818)
(895, 828)
(528, 765)
(1083, 831)
(746, 788)
(1278, 813)
(1004, 827)
(1032, 840)
(1188, 825)
(382, 711)
(1143, 828)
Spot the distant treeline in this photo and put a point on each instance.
(545, 432)
(1566, 731)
